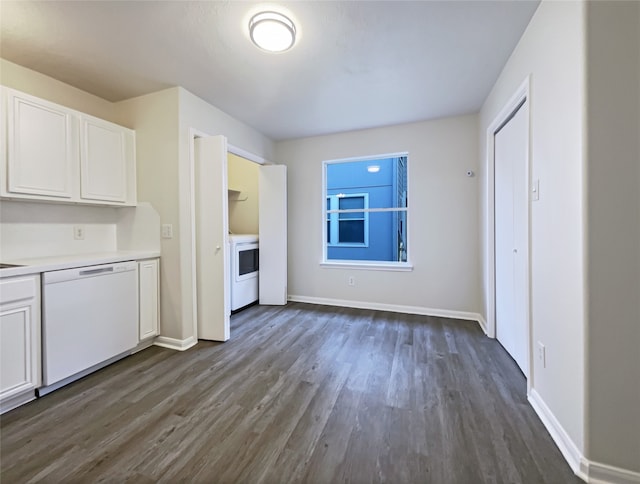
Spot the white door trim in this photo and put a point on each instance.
(521, 94)
(193, 134)
(247, 155)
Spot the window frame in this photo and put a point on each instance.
(363, 264)
(333, 217)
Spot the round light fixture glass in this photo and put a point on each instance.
(272, 31)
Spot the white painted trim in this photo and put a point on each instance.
(523, 93)
(589, 471)
(193, 134)
(247, 155)
(604, 474)
(369, 157)
(567, 447)
(175, 344)
(368, 266)
(144, 344)
(483, 323)
(422, 311)
(15, 401)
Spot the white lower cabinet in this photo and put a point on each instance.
(149, 297)
(20, 350)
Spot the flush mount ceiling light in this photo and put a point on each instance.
(373, 168)
(272, 31)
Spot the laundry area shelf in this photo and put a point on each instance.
(237, 195)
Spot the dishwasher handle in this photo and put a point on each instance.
(93, 272)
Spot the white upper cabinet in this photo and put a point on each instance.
(42, 147)
(106, 161)
(57, 154)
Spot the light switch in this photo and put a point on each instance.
(167, 231)
(535, 190)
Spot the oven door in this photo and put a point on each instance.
(247, 259)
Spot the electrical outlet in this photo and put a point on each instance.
(542, 354)
(167, 231)
(78, 232)
(352, 281)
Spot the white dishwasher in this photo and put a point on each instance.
(89, 317)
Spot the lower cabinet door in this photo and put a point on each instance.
(149, 291)
(20, 372)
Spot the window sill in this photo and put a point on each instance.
(372, 266)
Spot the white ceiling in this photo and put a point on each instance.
(356, 64)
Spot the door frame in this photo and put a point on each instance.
(522, 96)
(247, 155)
(191, 196)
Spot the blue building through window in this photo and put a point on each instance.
(366, 210)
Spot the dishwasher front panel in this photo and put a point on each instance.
(90, 315)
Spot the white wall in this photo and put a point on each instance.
(154, 117)
(552, 50)
(243, 210)
(613, 86)
(32, 82)
(31, 230)
(443, 223)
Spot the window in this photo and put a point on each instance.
(365, 211)
(347, 228)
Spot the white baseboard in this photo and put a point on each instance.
(483, 324)
(396, 308)
(567, 447)
(16, 400)
(175, 344)
(589, 471)
(603, 474)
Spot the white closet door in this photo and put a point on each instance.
(212, 229)
(510, 237)
(273, 234)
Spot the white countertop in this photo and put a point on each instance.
(44, 264)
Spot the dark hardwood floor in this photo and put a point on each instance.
(301, 393)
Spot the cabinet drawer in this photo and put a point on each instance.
(17, 289)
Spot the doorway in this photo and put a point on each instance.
(511, 221)
(211, 262)
(244, 209)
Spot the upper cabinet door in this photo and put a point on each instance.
(42, 148)
(105, 161)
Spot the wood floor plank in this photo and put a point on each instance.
(295, 458)
(300, 394)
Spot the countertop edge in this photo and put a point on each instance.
(32, 266)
